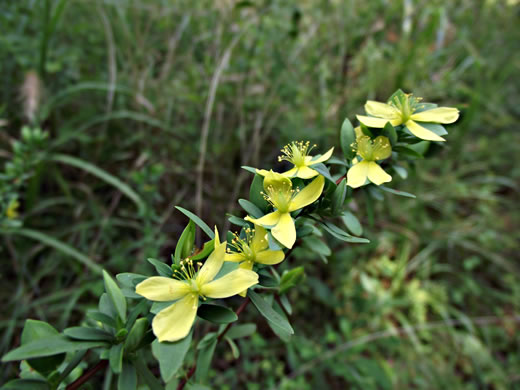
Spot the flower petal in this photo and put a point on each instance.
(357, 174)
(323, 157)
(212, 265)
(377, 122)
(437, 115)
(234, 257)
(381, 110)
(270, 219)
(270, 257)
(308, 195)
(259, 239)
(306, 173)
(422, 132)
(291, 172)
(162, 289)
(230, 284)
(285, 231)
(377, 175)
(247, 265)
(174, 322)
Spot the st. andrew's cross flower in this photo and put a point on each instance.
(187, 286)
(297, 153)
(253, 248)
(405, 109)
(370, 151)
(279, 192)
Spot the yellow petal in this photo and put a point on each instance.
(234, 257)
(276, 180)
(174, 322)
(285, 231)
(422, 132)
(162, 289)
(437, 115)
(377, 122)
(262, 172)
(381, 148)
(291, 172)
(260, 241)
(306, 173)
(323, 157)
(270, 219)
(217, 238)
(308, 195)
(247, 265)
(269, 257)
(230, 284)
(357, 174)
(212, 265)
(377, 175)
(381, 110)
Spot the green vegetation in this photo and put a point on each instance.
(112, 112)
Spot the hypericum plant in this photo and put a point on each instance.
(159, 313)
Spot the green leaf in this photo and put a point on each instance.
(250, 208)
(161, 268)
(50, 346)
(204, 359)
(352, 223)
(84, 333)
(390, 133)
(317, 246)
(209, 246)
(128, 377)
(136, 334)
(403, 173)
(200, 223)
(324, 171)
(255, 193)
(240, 331)
(129, 279)
(292, 278)
(58, 245)
(116, 296)
(170, 356)
(249, 169)
(347, 138)
(396, 192)
(234, 349)
(103, 175)
(116, 358)
(106, 307)
(146, 375)
(37, 330)
(103, 318)
(216, 314)
(338, 197)
(270, 315)
(26, 384)
(342, 235)
(237, 221)
(407, 151)
(185, 244)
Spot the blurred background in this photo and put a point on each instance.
(152, 104)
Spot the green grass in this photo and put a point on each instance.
(137, 94)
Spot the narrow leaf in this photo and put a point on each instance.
(200, 223)
(116, 296)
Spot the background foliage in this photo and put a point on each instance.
(151, 104)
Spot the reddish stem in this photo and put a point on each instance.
(87, 375)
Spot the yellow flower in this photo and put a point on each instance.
(174, 322)
(402, 109)
(370, 151)
(12, 209)
(297, 153)
(285, 199)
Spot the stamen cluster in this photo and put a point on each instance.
(296, 152)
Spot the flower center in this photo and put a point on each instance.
(406, 105)
(281, 195)
(186, 270)
(296, 152)
(243, 245)
(375, 150)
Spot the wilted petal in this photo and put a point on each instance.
(174, 322)
(162, 289)
(230, 284)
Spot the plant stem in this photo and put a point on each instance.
(87, 375)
